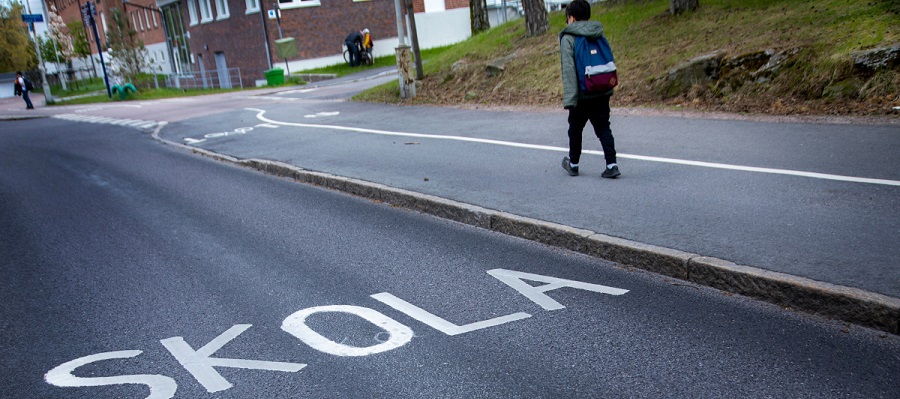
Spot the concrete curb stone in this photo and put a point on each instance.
(838, 302)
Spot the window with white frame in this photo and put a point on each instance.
(205, 11)
(147, 19)
(287, 4)
(153, 15)
(192, 11)
(252, 6)
(222, 9)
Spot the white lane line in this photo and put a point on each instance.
(136, 123)
(714, 165)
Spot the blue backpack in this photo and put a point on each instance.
(595, 65)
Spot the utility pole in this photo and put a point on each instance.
(407, 83)
(411, 14)
(37, 50)
(262, 17)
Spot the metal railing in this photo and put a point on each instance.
(211, 79)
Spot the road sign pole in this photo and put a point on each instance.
(91, 10)
(32, 19)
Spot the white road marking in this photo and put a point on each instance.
(714, 165)
(161, 387)
(136, 123)
(201, 365)
(268, 125)
(441, 324)
(537, 295)
(274, 98)
(295, 324)
(318, 114)
(301, 91)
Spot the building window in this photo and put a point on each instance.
(192, 10)
(153, 15)
(205, 11)
(252, 6)
(288, 4)
(147, 19)
(222, 9)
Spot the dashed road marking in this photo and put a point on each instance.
(135, 123)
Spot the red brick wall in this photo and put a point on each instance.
(240, 37)
(70, 10)
(419, 5)
(319, 31)
(451, 4)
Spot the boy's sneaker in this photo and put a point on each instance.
(573, 170)
(611, 173)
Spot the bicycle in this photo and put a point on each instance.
(364, 55)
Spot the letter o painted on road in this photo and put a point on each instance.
(295, 325)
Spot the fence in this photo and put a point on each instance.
(212, 79)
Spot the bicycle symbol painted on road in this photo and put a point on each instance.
(238, 131)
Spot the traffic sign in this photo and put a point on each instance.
(32, 18)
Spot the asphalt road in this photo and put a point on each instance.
(711, 187)
(123, 257)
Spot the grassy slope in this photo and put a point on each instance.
(648, 42)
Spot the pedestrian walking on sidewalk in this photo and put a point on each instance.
(583, 107)
(22, 87)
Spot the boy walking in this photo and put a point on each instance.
(583, 107)
(22, 89)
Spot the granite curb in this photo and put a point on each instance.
(842, 303)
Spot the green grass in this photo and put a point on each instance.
(146, 94)
(648, 42)
(343, 68)
(78, 87)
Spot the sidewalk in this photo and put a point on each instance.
(528, 204)
(513, 208)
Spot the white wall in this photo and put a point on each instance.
(159, 55)
(434, 29)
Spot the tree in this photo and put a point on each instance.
(60, 36)
(536, 21)
(128, 56)
(679, 6)
(16, 48)
(81, 47)
(479, 16)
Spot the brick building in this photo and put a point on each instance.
(229, 33)
(190, 36)
(139, 15)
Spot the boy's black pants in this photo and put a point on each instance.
(597, 111)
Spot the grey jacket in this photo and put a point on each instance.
(571, 91)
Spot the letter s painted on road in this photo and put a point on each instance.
(161, 387)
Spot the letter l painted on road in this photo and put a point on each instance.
(440, 324)
(200, 364)
(536, 294)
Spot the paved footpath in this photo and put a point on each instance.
(800, 214)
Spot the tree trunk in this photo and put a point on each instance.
(535, 17)
(479, 15)
(679, 6)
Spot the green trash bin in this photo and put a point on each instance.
(275, 77)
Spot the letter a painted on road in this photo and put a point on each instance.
(537, 294)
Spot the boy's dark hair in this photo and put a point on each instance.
(19, 73)
(580, 9)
